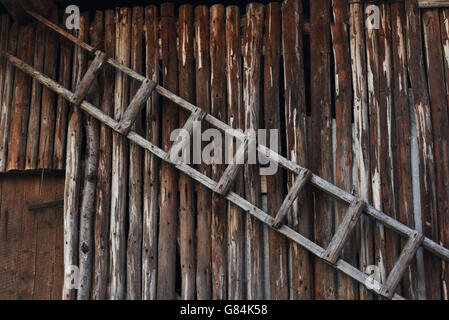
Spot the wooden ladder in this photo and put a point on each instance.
(356, 207)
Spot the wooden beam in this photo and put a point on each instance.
(433, 3)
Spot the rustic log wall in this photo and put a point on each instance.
(342, 96)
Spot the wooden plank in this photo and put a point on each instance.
(362, 157)
(204, 197)
(325, 286)
(120, 160)
(151, 165)
(62, 108)
(73, 169)
(87, 209)
(20, 103)
(58, 267)
(301, 216)
(427, 174)
(35, 103)
(333, 250)
(440, 121)
(278, 249)
(407, 254)
(432, 3)
(47, 130)
(103, 191)
(135, 209)
(15, 9)
(347, 288)
(166, 277)
(186, 67)
(218, 110)
(252, 63)
(4, 35)
(292, 195)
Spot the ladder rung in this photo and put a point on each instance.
(335, 247)
(86, 82)
(293, 193)
(134, 108)
(232, 170)
(402, 264)
(197, 115)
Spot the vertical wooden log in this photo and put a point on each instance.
(73, 169)
(21, 100)
(252, 63)
(4, 35)
(403, 134)
(235, 112)
(7, 95)
(86, 241)
(134, 248)
(440, 121)
(62, 108)
(301, 215)
(417, 76)
(151, 165)
(169, 177)
(103, 192)
(35, 103)
(322, 137)
(204, 197)
(362, 157)
(275, 194)
(47, 130)
(186, 68)
(347, 288)
(120, 160)
(218, 110)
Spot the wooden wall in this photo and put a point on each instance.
(350, 103)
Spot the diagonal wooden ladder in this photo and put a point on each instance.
(356, 207)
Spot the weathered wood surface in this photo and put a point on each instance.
(252, 65)
(151, 162)
(4, 35)
(88, 191)
(103, 191)
(204, 197)
(186, 67)
(20, 102)
(278, 249)
(135, 213)
(218, 110)
(47, 130)
(440, 121)
(120, 157)
(168, 218)
(32, 146)
(73, 170)
(427, 174)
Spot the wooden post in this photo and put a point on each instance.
(64, 74)
(186, 69)
(73, 169)
(120, 160)
(301, 215)
(20, 103)
(427, 182)
(86, 241)
(169, 177)
(151, 165)
(236, 120)
(134, 247)
(218, 110)
(362, 156)
(204, 197)
(325, 286)
(35, 103)
(47, 130)
(275, 184)
(4, 35)
(252, 61)
(439, 105)
(7, 96)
